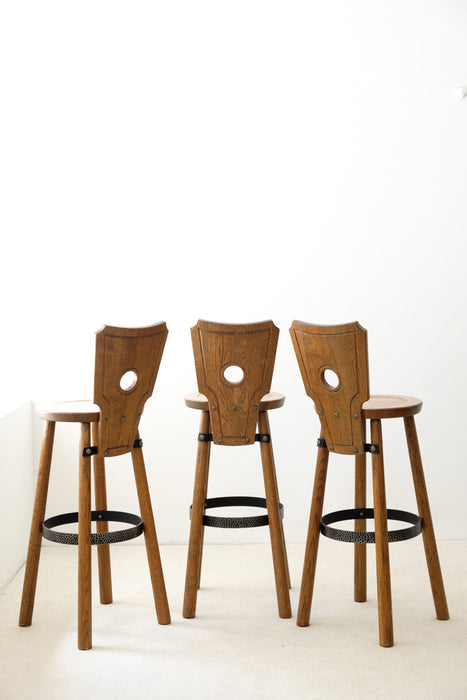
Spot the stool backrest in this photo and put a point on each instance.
(234, 365)
(126, 367)
(333, 361)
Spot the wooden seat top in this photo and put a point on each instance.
(389, 406)
(268, 402)
(70, 412)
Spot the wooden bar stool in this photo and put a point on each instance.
(126, 367)
(333, 362)
(234, 366)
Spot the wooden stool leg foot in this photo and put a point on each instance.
(360, 526)
(150, 538)
(35, 538)
(84, 543)
(279, 553)
(195, 546)
(429, 541)
(386, 636)
(103, 550)
(311, 549)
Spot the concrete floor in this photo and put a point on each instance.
(237, 647)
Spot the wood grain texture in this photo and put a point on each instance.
(84, 543)
(381, 406)
(234, 405)
(35, 537)
(342, 350)
(428, 533)
(120, 351)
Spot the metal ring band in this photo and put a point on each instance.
(237, 522)
(96, 537)
(369, 537)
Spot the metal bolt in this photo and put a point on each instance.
(123, 419)
(372, 448)
(265, 438)
(356, 416)
(213, 408)
(331, 447)
(255, 408)
(106, 453)
(104, 420)
(234, 408)
(247, 439)
(220, 440)
(355, 449)
(336, 413)
(320, 413)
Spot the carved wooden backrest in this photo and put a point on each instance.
(127, 363)
(333, 362)
(234, 365)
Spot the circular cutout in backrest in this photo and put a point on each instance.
(128, 380)
(233, 374)
(330, 379)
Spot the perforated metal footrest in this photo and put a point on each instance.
(369, 537)
(96, 537)
(237, 522)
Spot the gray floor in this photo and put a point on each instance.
(237, 647)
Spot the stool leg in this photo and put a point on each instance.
(150, 538)
(360, 526)
(279, 552)
(84, 543)
(386, 637)
(35, 538)
(312, 542)
(103, 550)
(195, 546)
(429, 541)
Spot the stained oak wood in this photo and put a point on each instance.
(428, 533)
(35, 537)
(381, 406)
(232, 409)
(343, 403)
(269, 401)
(114, 415)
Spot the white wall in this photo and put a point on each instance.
(239, 161)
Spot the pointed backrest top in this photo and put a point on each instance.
(127, 363)
(333, 362)
(234, 365)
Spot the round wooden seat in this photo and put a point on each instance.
(70, 412)
(388, 406)
(268, 402)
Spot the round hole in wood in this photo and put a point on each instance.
(128, 380)
(233, 374)
(330, 379)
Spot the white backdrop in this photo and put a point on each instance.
(235, 162)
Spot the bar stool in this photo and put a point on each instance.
(234, 365)
(333, 362)
(126, 366)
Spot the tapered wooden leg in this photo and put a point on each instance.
(279, 553)
(103, 550)
(150, 538)
(311, 549)
(35, 538)
(195, 545)
(360, 526)
(429, 541)
(84, 543)
(386, 637)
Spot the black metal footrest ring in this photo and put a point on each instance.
(96, 537)
(238, 521)
(405, 533)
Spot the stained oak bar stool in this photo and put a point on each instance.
(126, 366)
(234, 366)
(333, 362)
